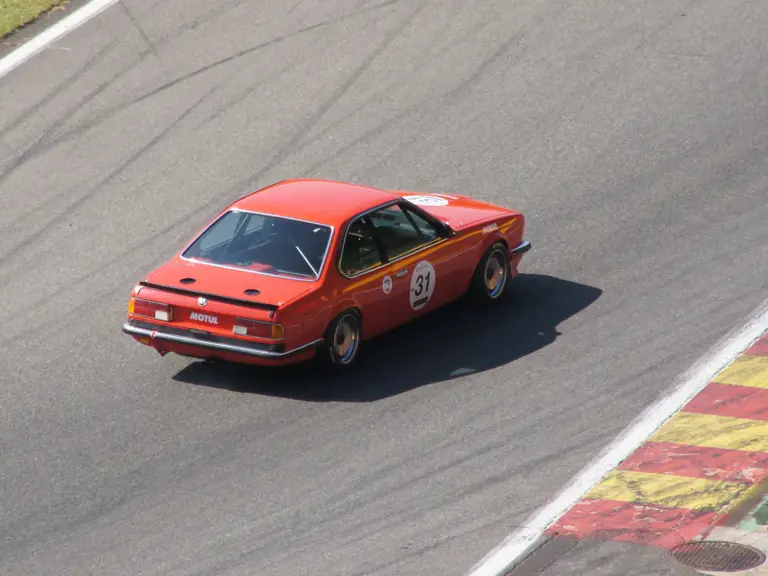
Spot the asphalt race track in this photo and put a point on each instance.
(633, 135)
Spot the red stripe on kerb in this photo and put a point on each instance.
(759, 348)
(698, 462)
(631, 522)
(733, 401)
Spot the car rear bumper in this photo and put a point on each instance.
(158, 335)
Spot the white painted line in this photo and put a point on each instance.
(52, 34)
(518, 544)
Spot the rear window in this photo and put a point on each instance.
(264, 243)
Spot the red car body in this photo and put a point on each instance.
(303, 265)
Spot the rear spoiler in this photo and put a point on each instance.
(272, 308)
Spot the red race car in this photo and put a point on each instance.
(312, 267)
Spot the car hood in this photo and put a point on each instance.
(228, 282)
(457, 211)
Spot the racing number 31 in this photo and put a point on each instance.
(420, 280)
(422, 284)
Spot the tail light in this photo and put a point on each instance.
(156, 310)
(247, 327)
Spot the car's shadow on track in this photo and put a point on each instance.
(446, 344)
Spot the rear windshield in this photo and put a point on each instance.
(264, 243)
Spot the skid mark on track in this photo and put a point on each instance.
(44, 228)
(140, 29)
(37, 144)
(515, 40)
(399, 116)
(694, 470)
(69, 81)
(89, 275)
(45, 142)
(106, 115)
(220, 9)
(334, 98)
(182, 221)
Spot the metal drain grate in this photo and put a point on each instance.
(717, 556)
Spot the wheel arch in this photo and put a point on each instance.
(342, 307)
(493, 237)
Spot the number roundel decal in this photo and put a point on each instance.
(422, 284)
(427, 200)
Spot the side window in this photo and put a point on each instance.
(360, 252)
(427, 229)
(401, 231)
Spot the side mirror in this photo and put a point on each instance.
(450, 232)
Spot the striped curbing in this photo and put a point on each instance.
(683, 481)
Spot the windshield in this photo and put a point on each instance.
(264, 243)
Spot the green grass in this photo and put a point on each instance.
(16, 13)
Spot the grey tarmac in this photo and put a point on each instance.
(633, 135)
(559, 556)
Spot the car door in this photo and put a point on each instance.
(365, 276)
(423, 263)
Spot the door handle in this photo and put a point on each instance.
(401, 273)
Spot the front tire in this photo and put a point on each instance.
(342, 339)
(491, 276)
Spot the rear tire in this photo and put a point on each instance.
(342, 340)
(491, 276)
